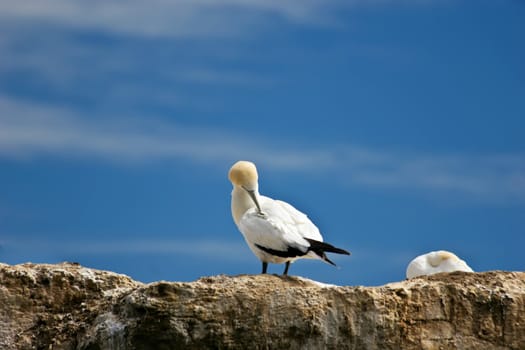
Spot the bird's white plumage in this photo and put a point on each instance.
(279, 227)
(435, 262)
(294, 217)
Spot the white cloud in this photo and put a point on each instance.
(205, 248)
(214, 77)
(52, 44)
(181, 18)
(123, 72)
(28, 130)
(178, 18)
(483, 176)
(32, 130)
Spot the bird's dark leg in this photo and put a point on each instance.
(286, 268)
(265, 267)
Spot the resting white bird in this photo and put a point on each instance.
(435, 262)
(274, 230)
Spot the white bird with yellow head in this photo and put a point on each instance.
(435, 262)
(274, 230)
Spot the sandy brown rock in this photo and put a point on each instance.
(47, 306)
(70, 307)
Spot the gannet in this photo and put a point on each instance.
(435, 262)
(274, 230)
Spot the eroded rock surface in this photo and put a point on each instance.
(67, 306)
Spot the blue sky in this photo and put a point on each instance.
(398, 126)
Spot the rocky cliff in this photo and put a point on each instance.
(67, 306)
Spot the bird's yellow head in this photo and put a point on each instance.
(244, 174)
(440, 256)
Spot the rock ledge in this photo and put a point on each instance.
(67, 306)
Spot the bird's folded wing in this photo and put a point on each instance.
(305, 226)
(271, 232)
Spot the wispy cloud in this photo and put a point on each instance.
(214, 77)
(138, 53)
(179, 18)
(127, 72)
(494, 176)
(206, 248)
(28, 130)
(32, 130)
(182, 18)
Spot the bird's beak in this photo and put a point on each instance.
(254, 198)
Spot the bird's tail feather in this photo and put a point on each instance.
(320, 248)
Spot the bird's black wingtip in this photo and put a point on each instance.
(318, 246)
(325, 258)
